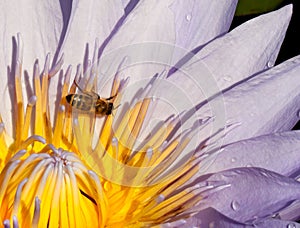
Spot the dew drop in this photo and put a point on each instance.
(160, 198)
(291, 225)
(188, 17)
(210, 183)
(298, 113)
(235, 205)
(233, 159)
(276, 216)
(269, 64)
(227, 78)
(1, 128)
(106, 186)
(114, 141)
(149, 152)
(264, 174)
(211, 225)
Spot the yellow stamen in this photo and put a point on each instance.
(52, 175)
(38, 107)
(19, 102)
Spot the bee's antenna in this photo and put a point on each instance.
(78, 86)
(116, 107)
(110, 98)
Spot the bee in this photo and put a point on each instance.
(91, 101)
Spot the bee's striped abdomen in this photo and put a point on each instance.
(80, 101)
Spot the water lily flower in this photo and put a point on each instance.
(195, 130)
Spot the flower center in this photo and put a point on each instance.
(54, 175)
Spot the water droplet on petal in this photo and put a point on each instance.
(211, 225)
(233, 159)
(188, 17)
(114, 141)
(235, 205)
(298, 113)
(227, 78)
(265, 174)
(277, 216)
(209, 183)
(269, 64)
(291, 225)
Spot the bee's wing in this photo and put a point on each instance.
(85, 113)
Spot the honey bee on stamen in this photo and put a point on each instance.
(90, 101)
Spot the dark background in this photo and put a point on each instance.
(291, 43)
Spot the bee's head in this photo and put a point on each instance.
(110, 108)
(69, 98)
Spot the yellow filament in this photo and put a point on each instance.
(54, 215)
(45, 192)
(166, 153)
(44, 92)
(75, 193)
(36, 216)
(139, 192)
(105, 136)
(3, 146)
(45, 110)
(184, 175)
(38, 130)
(27, 122)
(160, 168)
(67, 132)
(33, 180)
(158, 138)
(70, 202)
(63, 206)
(103, 204)
(132, 128)
(20, 111)
(58, 130)
(170, 206)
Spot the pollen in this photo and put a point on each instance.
(61, 172)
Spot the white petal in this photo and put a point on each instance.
(249, 195)
(40, 23)
(225, 61)
(248, 49)
(125, 3)
(149, 21)
(166, 22)
(269, 102)
(276, 152)
(212, 218)
(199, 21)
(291, 212)
(277, 223)
(89, 20)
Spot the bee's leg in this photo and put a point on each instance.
(96, 94)
(79, 87)
(114, 108)
(110, 98)
(87, 93)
